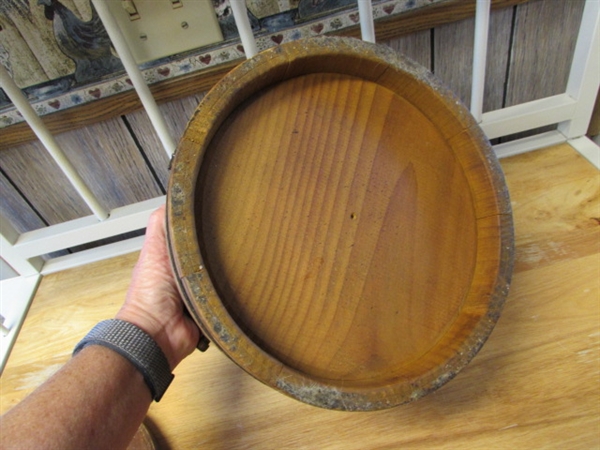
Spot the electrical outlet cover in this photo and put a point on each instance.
(164, 29)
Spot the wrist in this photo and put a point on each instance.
(156, 330)
(135, 345)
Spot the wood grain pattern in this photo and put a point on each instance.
(16, 210)
(105, 156)
(545, 36)
(318, 235)
(453, 57)
(533, 385)
(498, 57)
(416, 46)
(336, 182)
(19, 213)
(177, 115)
(562, 231)
(110, 163)
(34, 172)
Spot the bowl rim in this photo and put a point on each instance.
(495, 238)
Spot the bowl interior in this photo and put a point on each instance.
(337, 227)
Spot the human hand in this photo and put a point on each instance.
(153, 302)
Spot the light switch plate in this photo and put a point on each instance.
(164, 29)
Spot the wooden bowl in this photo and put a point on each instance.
(339, 225)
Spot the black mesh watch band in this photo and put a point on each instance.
(138, 347)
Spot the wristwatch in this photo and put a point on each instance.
(135, 345)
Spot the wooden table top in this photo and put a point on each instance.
(535, 383)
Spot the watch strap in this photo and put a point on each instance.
(135, 345)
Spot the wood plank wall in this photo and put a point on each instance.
(530, 48)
